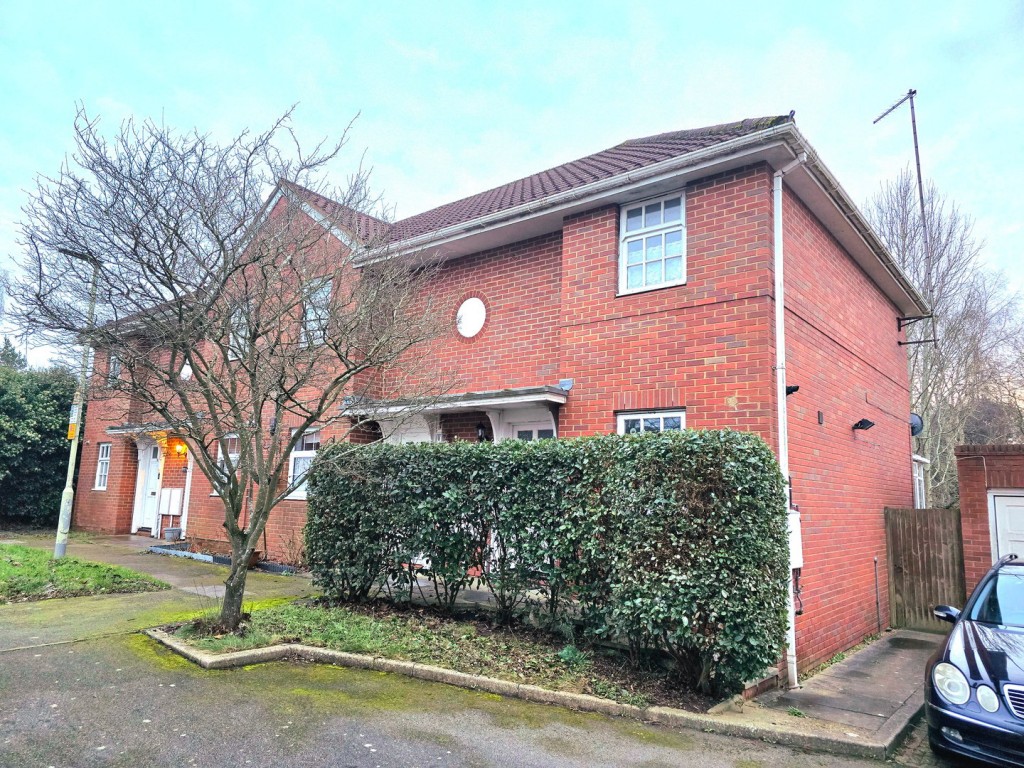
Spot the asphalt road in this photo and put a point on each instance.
(124, 701)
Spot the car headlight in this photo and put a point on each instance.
(951, 683)
(987, 698)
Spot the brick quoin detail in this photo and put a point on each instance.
(707, 346)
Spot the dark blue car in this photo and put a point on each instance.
(974, 689)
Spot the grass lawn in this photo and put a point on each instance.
(32, 574)
(518, 654)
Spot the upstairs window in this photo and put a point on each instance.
(316, 314)
(113, 369)
(102, 467)
(229, 449)
(651, 421)
(652, 248)
(301, 460)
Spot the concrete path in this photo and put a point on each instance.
(197, 588)
(877, 690)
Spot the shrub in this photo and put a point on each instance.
(673, 542)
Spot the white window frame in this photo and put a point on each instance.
(624, 415)
(113, 368)
(238, 335)
(316, 308)
(625, 238)
(300, 491)
(234, 456)
(102, 467)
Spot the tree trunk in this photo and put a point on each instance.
(234, 590)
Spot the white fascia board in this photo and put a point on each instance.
(344, 237)
(462, 405)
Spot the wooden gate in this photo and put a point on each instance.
(926, 565)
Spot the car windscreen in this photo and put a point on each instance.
(1001, 600)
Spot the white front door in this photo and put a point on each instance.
(1009, 518)
(151, 490)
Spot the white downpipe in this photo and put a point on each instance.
(793, 516)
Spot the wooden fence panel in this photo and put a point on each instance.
(926, 565)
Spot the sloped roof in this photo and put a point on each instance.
(366, 228)
(622, 158)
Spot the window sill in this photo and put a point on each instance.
(647, 289)
(97, 488)
(296, 497)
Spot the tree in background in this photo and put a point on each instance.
(225, 285)
(33, 446)
(960, 383)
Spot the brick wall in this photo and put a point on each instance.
(842, 352)
(981, 468)
(705, 346)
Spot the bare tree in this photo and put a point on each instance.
(975, 319)
(226, 291)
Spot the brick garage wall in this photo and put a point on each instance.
(705, 346)
(981, 468)
(462, 426)
(842, 351)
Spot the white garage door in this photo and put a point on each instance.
(1009, 525)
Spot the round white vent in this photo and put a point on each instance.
(471, 317)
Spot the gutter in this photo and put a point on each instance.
(796, 556)
(587, 190)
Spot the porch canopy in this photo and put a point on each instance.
(524, 412)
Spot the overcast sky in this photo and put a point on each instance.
(456, 98)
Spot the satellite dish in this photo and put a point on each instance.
(916, 425)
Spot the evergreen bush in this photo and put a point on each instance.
(673, 542)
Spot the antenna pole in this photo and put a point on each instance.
(917, 163)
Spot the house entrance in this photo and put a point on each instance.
(147, 487)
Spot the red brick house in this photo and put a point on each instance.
(693, 278)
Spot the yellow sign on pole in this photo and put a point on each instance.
(73, 419)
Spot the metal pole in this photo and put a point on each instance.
(920, 183)
(68, 497)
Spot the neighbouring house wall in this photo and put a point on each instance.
(981, 468)
(110, 510)
(705, 346)
(842, 351)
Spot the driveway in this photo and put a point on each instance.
(124, 701)
(79, 687)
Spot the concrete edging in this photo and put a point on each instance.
(667, 716)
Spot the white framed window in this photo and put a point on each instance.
(233, 452)
(301, 459)
(920, 471)
(102, 467)
(316, 314)
(113, 368)
(652, 244)
(238, 335)
(637, 422)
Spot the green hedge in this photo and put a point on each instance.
(674, 541)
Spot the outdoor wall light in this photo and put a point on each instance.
(180, 448)
(481, 432)
(864, 424)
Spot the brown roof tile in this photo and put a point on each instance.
(627, 156)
